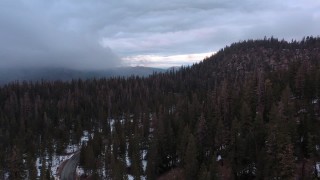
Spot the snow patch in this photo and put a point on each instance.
(79, 171)
(219, 157)
(130, 177)
(128, 162)
(85, 138)
(71, 148)
(57, 160)
(144, 159)
(318, 169)
(302, 111)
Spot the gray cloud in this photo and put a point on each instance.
(78, 34)
(175, 27)
(32, 37)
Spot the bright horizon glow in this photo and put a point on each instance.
(165, 61)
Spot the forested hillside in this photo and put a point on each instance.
(250, 111)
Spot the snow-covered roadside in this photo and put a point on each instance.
(58, 160)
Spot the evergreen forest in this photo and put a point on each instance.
(250, 111)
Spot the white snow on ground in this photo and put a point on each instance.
(57, 160)
(85, 138)
(111, 123)
(38, 166)
(219, 158)
(315, 101)
(144, 154)
(104, 173)
(128, 162)
(72, 148)
(144, 165)
(302, 111)
(55, 163)
(251, 168)
(6, 175)
(130, 177)
(79, 171)
(144, 159)
(318, 169)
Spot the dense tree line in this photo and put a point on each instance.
(250, 111)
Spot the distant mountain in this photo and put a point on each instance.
(64, 74)
(174, 68)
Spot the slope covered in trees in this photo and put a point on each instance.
(251, 111)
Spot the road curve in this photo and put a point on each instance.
(69, 168)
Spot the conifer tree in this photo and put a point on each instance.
(31, 168)
(153, 161)
(15, 164)
(191, 162)
(204, 174)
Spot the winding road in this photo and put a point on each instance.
(69, 168)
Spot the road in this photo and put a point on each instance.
(69, 168)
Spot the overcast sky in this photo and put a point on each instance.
(97, 34)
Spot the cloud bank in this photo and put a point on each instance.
(82, 33)
(32, 37)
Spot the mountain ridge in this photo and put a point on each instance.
(67, 74)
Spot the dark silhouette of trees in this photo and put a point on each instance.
(255, 104)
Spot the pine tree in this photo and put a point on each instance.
(15, 164)
(48, 174)
(235, 151)
(286, 163)
(90, 163)
(213, 169)
(184, 137)
(280, 149)
(31, 168)
(203, 138)
(43, 169)
(191, 162)
(221, 136)
(153, 161)
(204, 174)
(118, 168)
(136, 156)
